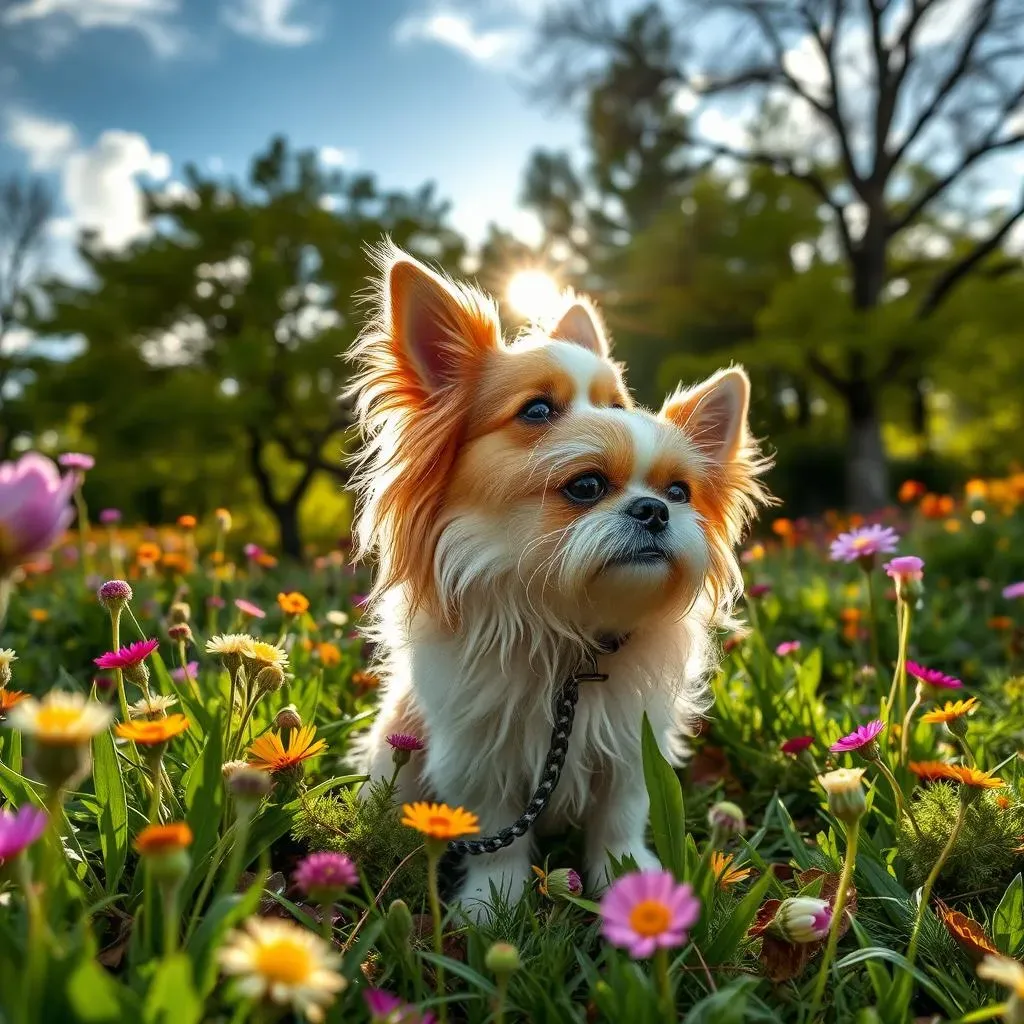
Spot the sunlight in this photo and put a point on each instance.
(534, 294)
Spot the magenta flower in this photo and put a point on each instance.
(20, 830)
(905, 568)
(215, 601)
(797, 744)
(759, 589)
(405, 741)
(860, 737)
(76, 460)
(863, 543)
(178, 674)
(34, 509)
(252, 551)
(128, 657)
(323, 877)
(254, 611)
(787, 647)
(110, 516)
(386, 1008)
(933, 677)
(648, 910)
(1014, 590)
(114, 593)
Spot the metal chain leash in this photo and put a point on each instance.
(565, 714)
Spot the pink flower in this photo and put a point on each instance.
(860, 737)
(128, 657)
(905, 568)
(933, 677)
(34, 509)
(648, 910)
(323, 877)
(405, 741)
(110, 516)
(797, 744)
(114, 593)
(759, 589)
(178, 674)
(863, 543)
(1014, 590)
(215, 601)
(386, 1008)
(20, 830)
(787, 647)
(248, 608)
(252, 551)
(76, 460)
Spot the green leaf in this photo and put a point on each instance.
(113, 815)
(172, 996)
(223, 914)
(879, 976)
(1008, 920)
(204, 803)
(588, 905)
(808, 675)
(795, 842)
(668, 816)
(863, 956)
(95, 997)
(726, 1006)
(17, 789)
(727, 940)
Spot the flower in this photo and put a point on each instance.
(559, 883)
(386, 1008)
(147, 553)
(34, 509)
(787, 647)
(724, 873)
(19, 830)
(404, 741)
(759, 589)
(8, 698)
(254, 611)
(288, 718)
(1014, 590)
(910, 490)
(293, 603)
(1000, 623)
(967, 933)
(439, 821)
(863, 543)
(951, 712)
(797, 744)
(264, 654)
(503, 959)
(187, 522)
(110, 516)
(337, 618)
(186, 672)
(158, 839)
(7, 655)
(931, 771)
(323, 877)
(937, 506)
(152, 732)
(363, 681)
(284, 963)
(270, 754)
(845, 793)
(114, 594)
(906, 567)
(803, 919)
(155, 705)
(248, 784)
(861, 737)
(648, 910)
(726, 819)
(230, 645)
(61, 719)
(934, 771)
(223, 517)
(252, 552)
(1003, 971)
(933, 677)
(76, 460)
(330, 654)
(127, 657)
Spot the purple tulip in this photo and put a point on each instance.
(34, 508)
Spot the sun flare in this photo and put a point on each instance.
(534, 294)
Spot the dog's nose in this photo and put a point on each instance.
(650, 513)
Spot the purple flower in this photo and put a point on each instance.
(759, 589)
(646, 911)
(405, 741)
(787, 647)
(20, 830)
(179, 674)
(860, 737)
(1014, 590)
(110, 516)
(386, 1008)
(114, 594)
(864, 543)
(323, 877)
(905, 567)
(933, 677)
(76, 460)
(34, 509)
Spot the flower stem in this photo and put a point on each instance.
(327, 922)
(842, 893)
(231, 707)
(6, 590)
(901, 807)
(115, 645)
(435, 912)
(907, 719)
(169, 892)
(972, 758)
(873, 616)
(243, 722)
(664, 985)
(83, 530)
(899, 677)
(157, 777)
(499, 1010)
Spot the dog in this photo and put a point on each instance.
(522, 510)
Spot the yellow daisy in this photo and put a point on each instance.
(60, 719)
(439, 821)
(951, 712)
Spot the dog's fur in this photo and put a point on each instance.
(492, 582)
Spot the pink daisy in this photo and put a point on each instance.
(128, 657)
(787, 647)
(648, 910)
(20, 830)
(250, 609)
(797, 744)
(76, 460)
(1014, 590)
(860, 737)
(905, 568)
(864, 543)
(405, 741)
(933, 677)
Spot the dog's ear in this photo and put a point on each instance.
(440, 329)
(713, 414)
(581, 325)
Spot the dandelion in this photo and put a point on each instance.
(797, 745)
(951, 712)
(863, 544)
(152, 733)
(933, 677)
(254, 611)
(19, 830)
(723, 871)
(861, 737)
(646, 911)
(787, 647)
(293, 603)
(263, 654)
(269, 754)
(154, 706)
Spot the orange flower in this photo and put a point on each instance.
(330, 655)
(782, 527)
(934, 506)
(1000, 623)
(269, 753)
(724, 874)
(293, 603)
(439, 821)
(176, 562)
(364, 681)
(148, 553)
(152, 732)
(1003, 803)
(976, 490)
(951, 712)
(932, 771)
(967, 933)
(187, 522)
(39, 615)
(8, 698)
(976, 778)
(157, 839)
(910, 490)
(850, 615)
(267, 561)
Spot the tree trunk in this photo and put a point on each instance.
(287, 515)
(867, 472)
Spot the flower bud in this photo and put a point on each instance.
(803, 919)
(845, 793)
(246, 782)
(228, 768)
(114, 595)
(288, 718)
(180, 631)
(62, 767)
(398, 923)
(223, 517)
(6, 657)
(179, 612)
(137, 674)
(269, 679)
(725, 819)
(563, 882)
(502, 959)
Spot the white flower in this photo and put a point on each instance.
(60, 719)
(152, 707)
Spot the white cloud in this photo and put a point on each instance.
(331, 156)
(267, 21)
(47, 143)
(57, 22)
(455, 30)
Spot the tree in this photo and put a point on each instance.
(225, 326)
(881, 109)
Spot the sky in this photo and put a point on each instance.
(102, 95)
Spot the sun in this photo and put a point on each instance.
(534, 294)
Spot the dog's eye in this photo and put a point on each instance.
(586, 489)
(678, 491)
(537, 410)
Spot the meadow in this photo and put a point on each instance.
(183, 838)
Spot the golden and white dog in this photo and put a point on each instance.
(519, 506)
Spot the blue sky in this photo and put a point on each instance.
(101, 93)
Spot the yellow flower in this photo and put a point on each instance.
(223, 517)
(268, 654)
(151, 733)
(60, 719)
(284, 963)
(293, 603)
(439, 821)
(1003, 971)
(238, 644)
(271, 755)
(951, 712)
(156, 839)
(39, 614)
(724, 873)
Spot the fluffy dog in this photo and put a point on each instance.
(521, 509)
